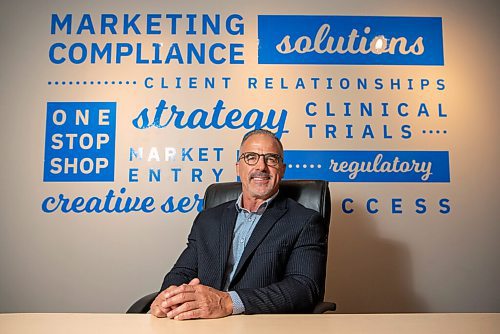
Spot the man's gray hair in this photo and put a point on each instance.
(263, 132)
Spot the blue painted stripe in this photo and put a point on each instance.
(368, 166)
(415, 40)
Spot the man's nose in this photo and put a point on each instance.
(261, 164)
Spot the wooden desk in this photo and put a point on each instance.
(426, 323)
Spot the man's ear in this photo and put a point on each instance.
(237, 168)
(283, 169)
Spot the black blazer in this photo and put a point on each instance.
(282, 269)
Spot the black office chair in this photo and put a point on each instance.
(312, 194)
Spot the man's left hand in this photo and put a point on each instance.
(197, 301)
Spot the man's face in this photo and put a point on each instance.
(260, 181)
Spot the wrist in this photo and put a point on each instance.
(227, 304)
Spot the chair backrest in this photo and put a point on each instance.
(313, 194)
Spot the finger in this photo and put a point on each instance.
(167, 309)
(177, 290)
(162, 297)
(157, 311)
(188, 306)
(159, 314)
(193, 314)
(163, 309)
(177, 299)
(156, 306)
(164, 294)
(194, 281)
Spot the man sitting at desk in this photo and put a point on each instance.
(263, 253)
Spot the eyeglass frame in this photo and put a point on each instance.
(278, 156)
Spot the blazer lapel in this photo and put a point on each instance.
(228, 220)
(274, 212)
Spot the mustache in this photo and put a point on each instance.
(260, 175)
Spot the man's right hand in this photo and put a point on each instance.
(160, 311)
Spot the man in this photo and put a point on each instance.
(263, 253)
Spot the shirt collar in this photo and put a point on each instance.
(261, 208)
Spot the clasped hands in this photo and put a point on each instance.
(192, 301)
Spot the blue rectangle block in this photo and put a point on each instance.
(80, 142)
(350, 40)
(368, 166)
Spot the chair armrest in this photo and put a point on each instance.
(323, 307)
(143, 304)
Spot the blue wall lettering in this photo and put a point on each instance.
(217, 119)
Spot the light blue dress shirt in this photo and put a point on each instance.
(245, 224)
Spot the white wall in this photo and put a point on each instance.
(383, 262)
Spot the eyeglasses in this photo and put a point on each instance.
(252, 158)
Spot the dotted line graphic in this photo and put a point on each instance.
(437, 132)
(303, 166)
(92, 83)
